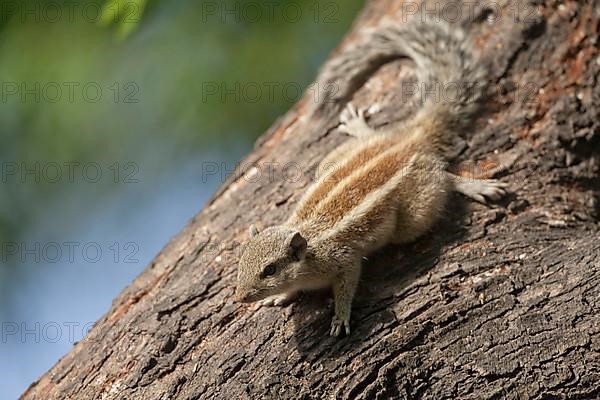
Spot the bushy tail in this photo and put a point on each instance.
(451, 80)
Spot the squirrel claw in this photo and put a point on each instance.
(336, 326)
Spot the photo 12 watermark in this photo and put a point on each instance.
(265, 91)
(252, 173)
(47, 332)
(68, 172)
(69, 92)
(52, 12)
(249, 12)
(451, 11)
(69, 252)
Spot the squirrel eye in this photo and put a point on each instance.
(269, 270)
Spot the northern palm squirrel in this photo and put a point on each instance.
(385, 186)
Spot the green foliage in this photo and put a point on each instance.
(180, 79)
(126, 14)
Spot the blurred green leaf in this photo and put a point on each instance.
(126, 14)
(179, 53)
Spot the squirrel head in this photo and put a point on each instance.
(270, 264)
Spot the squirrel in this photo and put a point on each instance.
(380, 187)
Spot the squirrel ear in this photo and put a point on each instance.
(298, 246)
(252, 231)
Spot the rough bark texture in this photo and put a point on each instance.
(496, 303)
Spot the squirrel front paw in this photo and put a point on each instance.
(280, 300)
(337, 324)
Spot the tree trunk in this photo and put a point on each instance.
(496, 303)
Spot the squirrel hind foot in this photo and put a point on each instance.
(353, 122)
(481, 190)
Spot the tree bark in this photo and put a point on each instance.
(495, 303)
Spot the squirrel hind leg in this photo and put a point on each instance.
(423, 197)
(481, 190)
